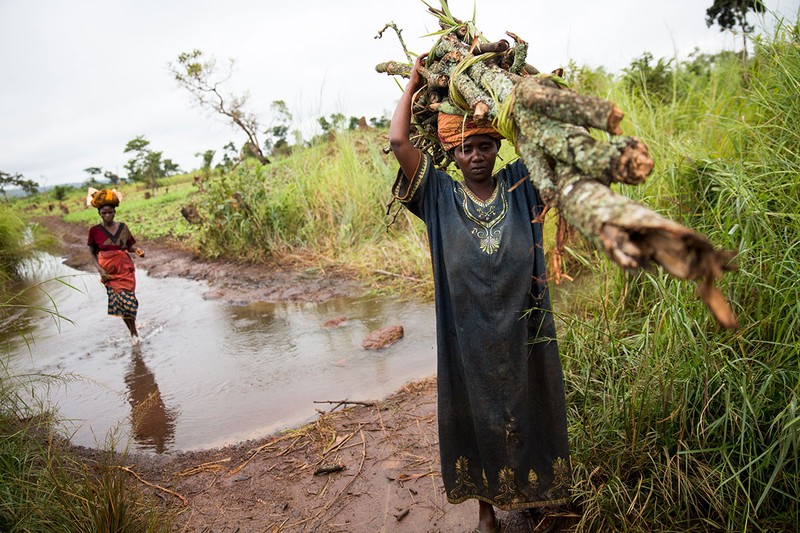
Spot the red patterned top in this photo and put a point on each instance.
(100, 239)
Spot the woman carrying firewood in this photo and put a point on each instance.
(501, 404)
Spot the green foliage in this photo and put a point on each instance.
(336, 122)
(295, 202)
(326, 202)
(45, 487)
(229, 157)
(675, 424)
(112, 177)
(93, 171)
(208, 158)
(585, 80)
(59, 192)
(379, 122)
(276, 143)
(14, 247)
(643, 78)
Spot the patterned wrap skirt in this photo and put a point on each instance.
(123, 303)
(121, 284)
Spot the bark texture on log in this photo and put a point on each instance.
(570, 107)
(491, 48)
(635, 237)
(393, 68)
(623, 159)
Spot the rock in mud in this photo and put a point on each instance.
(382, 338)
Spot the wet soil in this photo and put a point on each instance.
(362, 466)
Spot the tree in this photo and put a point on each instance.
(17, 181)
(228, 161)
(276, 142)
(93, 172)
(336, 123)
(642, 78)
(379, 122)
(730, 13)
(146, 165)
(60, 192)
(112, 177)
(200, 77)
(169, 167)
(208, 158)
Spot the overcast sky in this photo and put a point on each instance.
(81, 78)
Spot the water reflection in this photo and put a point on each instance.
(152, 422)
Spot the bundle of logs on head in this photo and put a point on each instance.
(550, 128)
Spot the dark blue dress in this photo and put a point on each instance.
(501, 405)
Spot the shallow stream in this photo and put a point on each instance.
(207, 373)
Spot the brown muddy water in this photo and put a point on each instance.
(207, 373)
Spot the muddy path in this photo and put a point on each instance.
(230, 281)
(360, 467)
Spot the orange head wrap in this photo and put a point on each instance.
(103, 197)
(453, 129)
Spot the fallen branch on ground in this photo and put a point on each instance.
(346, 402)
(159, 487)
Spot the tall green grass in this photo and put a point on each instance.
(14, 247)
(46, 488)
(677, 425)
(326, 203)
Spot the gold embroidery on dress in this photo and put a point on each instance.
(478, 201)
(485, 216)
(414, 181)
(508, 492)
(533, 479)
(464, 485)
(485, 480)
(560, 478)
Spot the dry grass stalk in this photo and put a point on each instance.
(212, 466)
(153, 485)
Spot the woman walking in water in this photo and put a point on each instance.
(111, 243)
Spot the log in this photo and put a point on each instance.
(634, 237)
(491, 48)
(481, 104)
(621, 160)
(393, 68)
(520, 54)
(569, 106)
